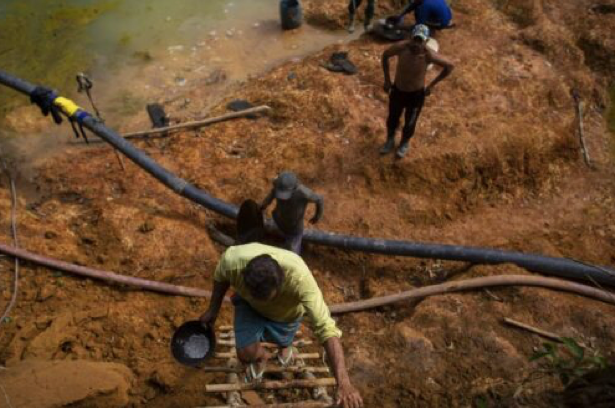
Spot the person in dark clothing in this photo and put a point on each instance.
(369, 13)
(435, 14)
(408, 92)
(292, 199)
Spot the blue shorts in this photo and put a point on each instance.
(251, 327)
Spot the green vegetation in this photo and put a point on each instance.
(46, 46)
(569, 361)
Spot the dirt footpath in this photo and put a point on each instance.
(495, 162)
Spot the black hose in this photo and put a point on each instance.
(562, 267)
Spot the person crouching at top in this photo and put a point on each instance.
(292, 199)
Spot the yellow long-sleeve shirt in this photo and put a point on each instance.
(299, 295)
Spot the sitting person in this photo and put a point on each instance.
(435, 14)
(292, 199)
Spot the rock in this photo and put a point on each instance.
(146, 227)
(47, 384)
(164, 378)
(216, 76)
(414, 347)
(150, 394)
(45, 293)
(46, 344)
(50, 235)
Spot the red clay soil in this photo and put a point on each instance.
(495, 163)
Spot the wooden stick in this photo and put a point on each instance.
(189, 125)
(287, 405)
(120, 159)
(233, 398)
(297, 343)
(527, 327)
(198, 123)
(307, 356)
(579, 110)
(271, 385)
(231, 333)
(273, 369)
(543, 333)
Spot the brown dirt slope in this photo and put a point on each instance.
(495, 162)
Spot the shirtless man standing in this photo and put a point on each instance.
(408, 92)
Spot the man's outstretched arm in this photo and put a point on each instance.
(347, 394)
(327, 333)
(209, 317)
(268, 200)
(397, 19)
(318, 201)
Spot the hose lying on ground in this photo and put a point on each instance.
(457, 286)
(477, 283)
(103, 275)
(561, 267)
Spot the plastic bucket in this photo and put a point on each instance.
(291, 14)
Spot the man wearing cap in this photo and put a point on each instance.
(292, 200)
(435, 14)
(408, 92)
(274, 290)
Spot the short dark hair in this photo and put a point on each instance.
(263, 275)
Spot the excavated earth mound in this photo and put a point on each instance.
(495, 162)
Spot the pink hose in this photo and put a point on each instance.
(104, 275)
(449, 287)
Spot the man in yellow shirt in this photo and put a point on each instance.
(274, 289)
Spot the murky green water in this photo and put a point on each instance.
(136, 52)
(49, 41)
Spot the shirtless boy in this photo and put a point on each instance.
(408, 92)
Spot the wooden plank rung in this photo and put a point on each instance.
(305, 356)
(297, 343)
(287, 405)
(271, 385)
(293, 369)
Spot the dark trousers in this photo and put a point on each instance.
(369, 10)
(412, 104)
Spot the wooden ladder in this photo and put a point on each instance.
(303, 376)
